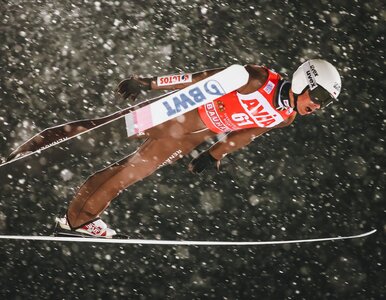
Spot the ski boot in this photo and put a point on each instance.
(95, 228)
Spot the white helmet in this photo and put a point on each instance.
(321, 78)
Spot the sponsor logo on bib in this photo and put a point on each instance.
(269, 87)
(174, 79)
(259, 109)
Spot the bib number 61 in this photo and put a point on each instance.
(242, 119)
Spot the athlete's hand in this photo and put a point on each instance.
(203, 162)
(130, 87)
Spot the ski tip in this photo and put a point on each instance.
(369, 232)
(239, 69)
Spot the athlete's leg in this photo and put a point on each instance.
(97, 192)
(165, 144)
(103, 186)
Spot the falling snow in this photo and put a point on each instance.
(323, 176)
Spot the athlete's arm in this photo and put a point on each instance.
(232, 142)
(130, 87)
(235, 141)
(155, 83)
(239, 139)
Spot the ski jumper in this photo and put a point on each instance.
(175, 138)
(235, 111)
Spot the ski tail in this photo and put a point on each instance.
(55, 135)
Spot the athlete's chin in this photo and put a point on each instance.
(301, 111)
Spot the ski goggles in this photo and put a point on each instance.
(321, 96)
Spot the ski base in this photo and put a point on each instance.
(174, 242)
(74, 234)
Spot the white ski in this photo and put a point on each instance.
(137, 119)
(171, 242)
(187, 99)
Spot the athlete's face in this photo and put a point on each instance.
(305, 106)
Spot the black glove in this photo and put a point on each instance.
(202, 162)
(129, 88)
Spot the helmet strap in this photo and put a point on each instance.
(282, 101)
(295, 102)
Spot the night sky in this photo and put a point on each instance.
(324, 176)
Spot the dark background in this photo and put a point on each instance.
(323, 176)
